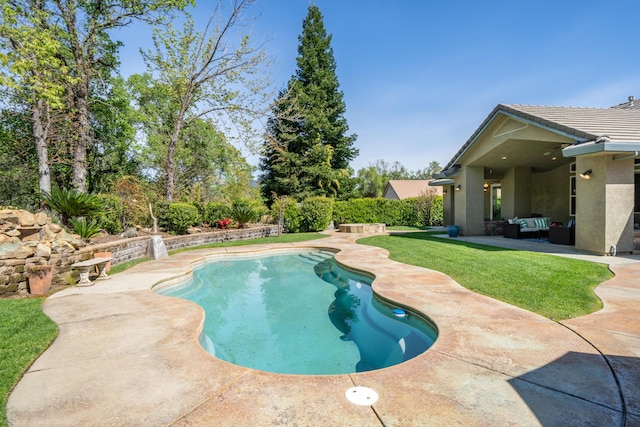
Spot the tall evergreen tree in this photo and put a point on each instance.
(307, 149)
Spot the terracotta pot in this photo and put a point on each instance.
(40, 281)
(104, 255)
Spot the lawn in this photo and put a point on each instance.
(25, 332)
(554, 287)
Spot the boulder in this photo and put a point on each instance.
(26, 218)
(9, 216)
(41, 219)
(72, 239)
(15, 250)
(61, 247)
(43, 251)
(55, 228)
(48, 235)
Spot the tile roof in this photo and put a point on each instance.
(620, 123)
(616, 123)
(406, 188)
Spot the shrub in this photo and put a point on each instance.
(71, 203)
(411, 215)
(135, 195)
(316, 213)
(415, 212)
(215, 211)
(436, 215)
(86, 230)
(390, 212)
(182, 216)
(290, 211)
(161, 210)
(111, 216)
(244, 212)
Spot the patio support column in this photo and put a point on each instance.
(516, 193)
(604, 204)
(469, 203)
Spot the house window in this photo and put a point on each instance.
(572, 190)
(496, 202)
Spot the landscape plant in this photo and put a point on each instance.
(181, 216)
(85, 229)
(70, 203)
(216, 211)
(244, 212)
(316, 213)
(111, 217)
(307, 148)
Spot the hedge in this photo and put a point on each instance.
(181, 216)
(415, 212)
(316, 213)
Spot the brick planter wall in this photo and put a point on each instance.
(13, 277)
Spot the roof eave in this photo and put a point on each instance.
(593, 147)
(574, 134)
(441, 182)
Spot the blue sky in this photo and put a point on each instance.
(419, 76)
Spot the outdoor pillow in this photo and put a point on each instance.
(531, 223)
(541, 222)
(523, 223)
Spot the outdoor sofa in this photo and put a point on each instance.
(527, 228)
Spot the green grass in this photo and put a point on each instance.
(285, 238)
(554, 287)
(25, 332)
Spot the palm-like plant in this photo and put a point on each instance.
(243, 212)
(72, 204)
(85, 229)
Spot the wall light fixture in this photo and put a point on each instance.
(586, 174)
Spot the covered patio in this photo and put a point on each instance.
(571, 165)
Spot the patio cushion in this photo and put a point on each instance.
(531, 223)
(523, 223)
(540, 222)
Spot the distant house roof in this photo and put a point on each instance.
(619, 124)
(400, 189)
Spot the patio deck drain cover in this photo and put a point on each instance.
(361, 395)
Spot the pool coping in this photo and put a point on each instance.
(125, 355)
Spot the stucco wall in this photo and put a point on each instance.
(604, 205)
(516, 193)
(469, 201)
(550, 194)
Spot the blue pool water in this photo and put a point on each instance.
(299, 313)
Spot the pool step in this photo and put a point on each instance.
(316, 257)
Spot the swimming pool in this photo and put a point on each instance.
(299, 313)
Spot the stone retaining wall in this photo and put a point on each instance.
(13, 271)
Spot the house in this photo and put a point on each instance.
(400, 189)
(564, 163)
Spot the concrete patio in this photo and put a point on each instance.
(125, 356)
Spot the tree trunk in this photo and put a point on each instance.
(40, 138)
(171, 151)
(79, 177)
